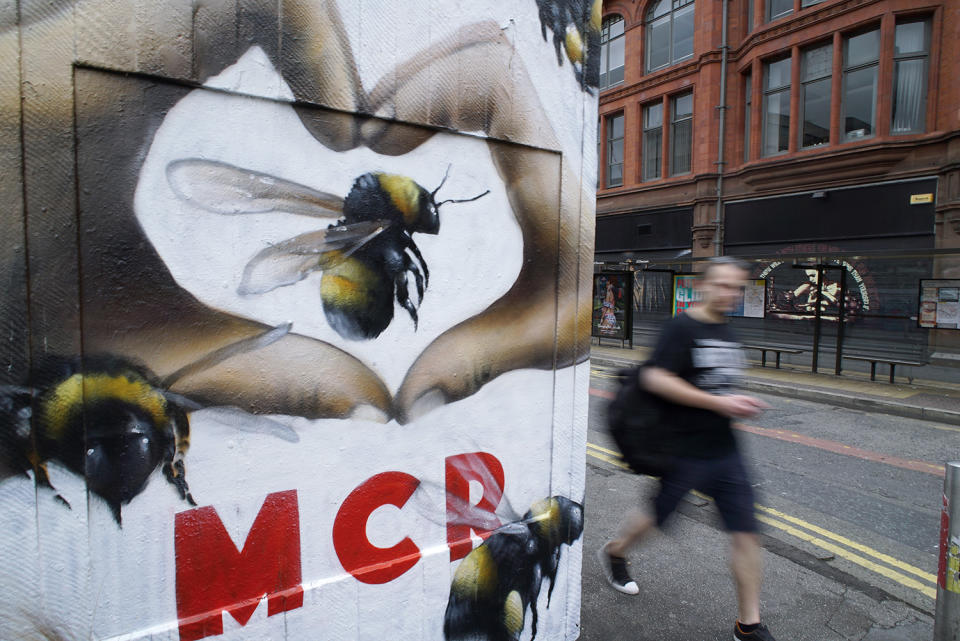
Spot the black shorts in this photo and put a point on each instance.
(724, 479)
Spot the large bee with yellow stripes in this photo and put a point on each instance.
(500, 579)
(365, 257)
(576, 31)
(111, 421)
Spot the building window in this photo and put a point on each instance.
(910, 55)
(681, 133)
(861, 62)
(810, 3)
(816, 69)
(749, 16)
(669, 33)
(615, 151)
(747, 110)
(611, 51)
(776, 107)
(778, 9)
(652, 140)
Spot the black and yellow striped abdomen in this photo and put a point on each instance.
(357, 296)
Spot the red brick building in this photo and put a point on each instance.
(838, 140)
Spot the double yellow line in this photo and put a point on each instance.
(840, 546)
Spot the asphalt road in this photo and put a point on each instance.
(852, 496)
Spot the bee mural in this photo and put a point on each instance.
(500, 579)
(112, 421)
(365, 257)
(576, 29)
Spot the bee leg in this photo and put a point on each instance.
(176, 475)
(417, 277)
(42, 478)
(403, 297)
(115, 508)
(412, 246)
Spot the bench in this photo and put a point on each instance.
(779, 349)
(892, 362)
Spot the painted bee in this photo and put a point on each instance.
(576, 27)
(112, 421)
(364, 256)
(495, 584)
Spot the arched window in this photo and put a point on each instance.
(611, 51)
(669, 33)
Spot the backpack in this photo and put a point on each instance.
(635, 419)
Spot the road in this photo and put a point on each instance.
(853, 496)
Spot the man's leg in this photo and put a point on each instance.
(612, 556)
(746, 562)
(673, 486)
(632, 529)
(733, 493)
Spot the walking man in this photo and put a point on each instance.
(695, 368)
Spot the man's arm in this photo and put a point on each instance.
(668, 385)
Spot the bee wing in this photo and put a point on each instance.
(225, 189)
(245, 422)
(217, 356)
(236, 417)
(296, 258)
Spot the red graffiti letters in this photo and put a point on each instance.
(359, 557)
(462, 516)
(213, 576)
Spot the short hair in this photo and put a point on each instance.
(718, 261)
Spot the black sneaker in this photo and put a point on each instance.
(759, 633)
(615, 569)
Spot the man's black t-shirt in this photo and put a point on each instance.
(708, 356)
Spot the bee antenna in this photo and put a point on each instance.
(445, 175)
(464, 200)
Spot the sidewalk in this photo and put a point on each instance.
(923, 399)
(686, 592)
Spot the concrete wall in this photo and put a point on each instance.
(261, 378)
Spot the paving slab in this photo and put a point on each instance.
(922, 399)
(686, 592)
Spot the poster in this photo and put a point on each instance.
(793, 291)
(939, 305)
(612, 305)
(753, 300)
(685, 292)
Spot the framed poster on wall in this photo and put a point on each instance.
(939, 304)
(686, 291)
(612, 305)
(752, 303)
(753, 299)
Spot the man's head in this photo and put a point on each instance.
(722, 282)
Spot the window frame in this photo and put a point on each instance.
(610, 129)
(605, 42)
(802, 102)
(675, 122)
(767, 92)
(645, 129)
(925, 56)
(768, 12)
(845, 70)
(648, 41)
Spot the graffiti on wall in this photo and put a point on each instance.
(299, 353)
(796, 289)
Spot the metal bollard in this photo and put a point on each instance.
(946, 626)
